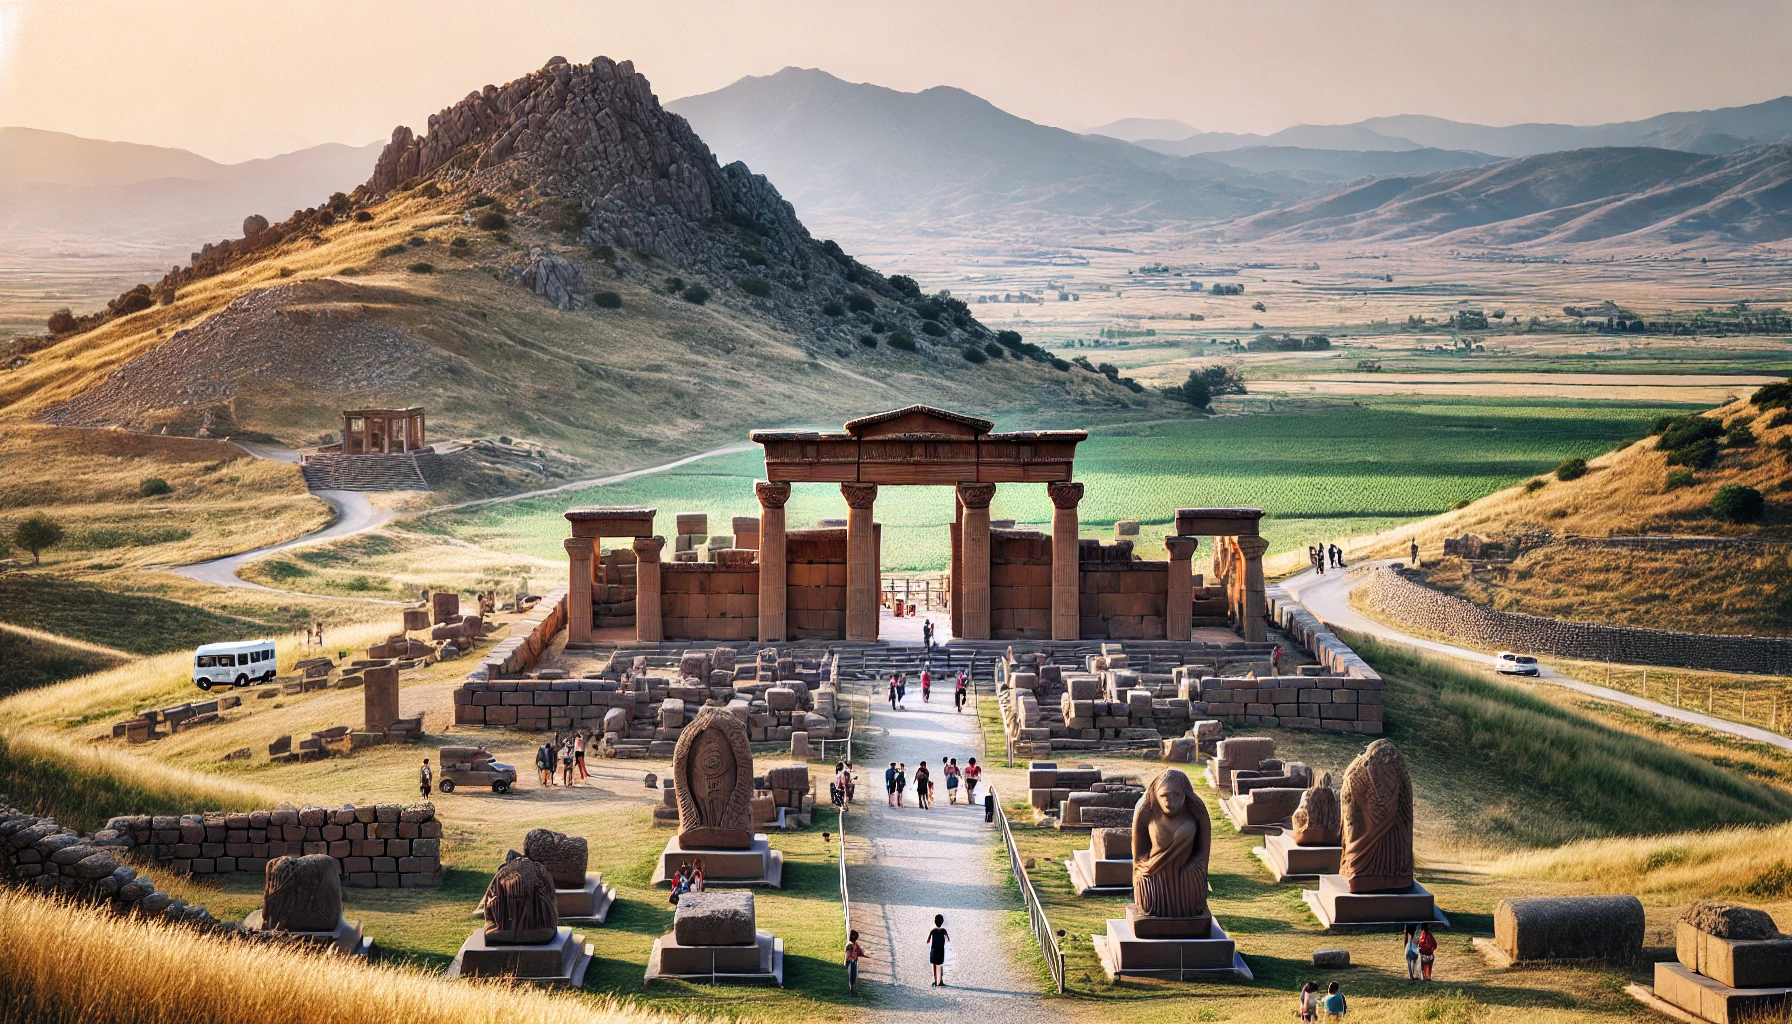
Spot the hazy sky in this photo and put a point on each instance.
(247, 78)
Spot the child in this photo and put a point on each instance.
(1309, 1002)
(936, 948)
(972, 776)
(952, 776)
(1427, 950)
(1334, 1003)
(853, 952)
(1410, 943)
(424, 778)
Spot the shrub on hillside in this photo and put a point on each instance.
(1773, 396)
(1194, 391)
(903, 340)
(421, 268)
(459, 242)
(363, 217)
(1060, 364)
(1533, 485)
(1739, 436)
(932, 329)
(393, 250)
(674, 285)
(604, 252)
(1779, 419)
(490, 220)
(1684, 431)
(905, 285)
(758, 287)
(1735, 503)
(63, 321)
(832, 308)
(1678, 478)
(150, 486)
(1571, 469)
(868, 340)
(972, 354)
(1700, 454)
(995, 351)
(696, 295)
(607, 300)
(860, 304)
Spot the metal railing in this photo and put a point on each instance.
(1042, 927)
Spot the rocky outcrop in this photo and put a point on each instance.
(552, 278)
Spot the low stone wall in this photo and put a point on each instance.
(385, 846)
(1407, 601)
(529, 636)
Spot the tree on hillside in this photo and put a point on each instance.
(1223, 380)
(36, 533)
(1738, 504)
(1194, 391)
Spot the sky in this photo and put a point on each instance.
(249, 78)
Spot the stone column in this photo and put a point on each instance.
(1066, 565)
(1179, 601)
(774, 623)
(578, 589)
(1253, 627)
(974, 545)
(648, 627)
(861, 562)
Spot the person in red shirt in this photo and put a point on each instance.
(1427, 950)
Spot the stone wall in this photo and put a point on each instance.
(1407, 601)
(711, 600)
(385, 846)
(529, 636)
(613, 589)
(1121, 598)
(1020, 585)
(815, 581)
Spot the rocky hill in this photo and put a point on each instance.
(557, 259)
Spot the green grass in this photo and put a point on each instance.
(26, 664)
(82, 788)
(1330, 470)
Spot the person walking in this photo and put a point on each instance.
(890, 785)
(1427, 950)
(850, 786)
(1334, 1004)
(1337, 557)
(578, 754)
(927, 634)
(1309, 1002)
(892, 691)
(566, 763)
(972, 776)
(1275, 660)
(953, 774)
(923, 786)
(854, 952)
(544, 763)
(901, 690)
(901, 781)
(1415, 554)
(936, 948)
(959, 693)
(926, 686)
(424, 778)
(1409, 941)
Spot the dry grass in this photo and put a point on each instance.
(395, 564)
(82, 786)
(1745, 863)
(75, 965)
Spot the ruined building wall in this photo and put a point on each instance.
(1020, 585)
(613, 589)
(815, 577)
(1121, 598)
(711, 600)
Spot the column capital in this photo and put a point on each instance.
(771, 495)
(1181, 548)
(647, 549)
(578, 547)
(976, 495)
(859, 495)
(1065, 493)
(1253, 547)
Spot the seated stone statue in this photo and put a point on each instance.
(566, 857)
(1318, 820)
(520, 908)
(302, 894)
(1378, 820)
(1171, 839)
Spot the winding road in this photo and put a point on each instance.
(1328, 597)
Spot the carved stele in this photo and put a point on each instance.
(520, 906)
(302, 894)
(712, 770)
(1377, 801)
(566, 857)
(1171, 839)
(1318, 821)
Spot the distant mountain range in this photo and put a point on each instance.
(64, 193)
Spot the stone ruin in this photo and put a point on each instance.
(147, 726)
(715, 937)
(1265, 790)
(1543, 929)
(1374, 883)
(781, 799)
(522, 938)
(712, 773)
(1105, 868)
(1731, 965)
(1312, 844)
(579, 895)
(1081, 797)
(302, 899)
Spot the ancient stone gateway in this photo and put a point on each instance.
(382, 431)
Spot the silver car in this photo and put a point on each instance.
(1515, 664)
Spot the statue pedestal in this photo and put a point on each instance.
(1097, 876)
(758, 864)
(1334, 904)
(588, 904)
(561, 961)
(1184, 948)
(758, 963)
(1288, 861)
(1253, 816)
(345, 938)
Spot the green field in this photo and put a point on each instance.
(1326, 471)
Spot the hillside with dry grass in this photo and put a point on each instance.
(1563, 545)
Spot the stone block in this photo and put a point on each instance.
(715, 917)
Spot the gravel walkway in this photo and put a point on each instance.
(931, 862)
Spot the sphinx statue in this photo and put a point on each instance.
(1318, 820)
(1171, 839)
(302, 894)
(565, 857)
(520, 909)
(712, 771)
(1378, 821)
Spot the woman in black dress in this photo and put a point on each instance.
(936, 948)
(923, 786)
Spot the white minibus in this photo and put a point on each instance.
(236, 663)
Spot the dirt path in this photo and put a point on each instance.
(937, 861)
(1328, 596)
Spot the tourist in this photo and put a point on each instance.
(1334, 1003)
(1409, 941)
(681, 882)
(923, 786)
(566, 763)
(892, 691)
(901, 690)
(1319, 558)
(890, 788)
(1415, 553)
(927, 634)
(972, 775)
(936, 948)
(320, 632)
(901, 781)
(696, 878)
(1275, 660)
(959, 694)
(952, 776)
(926, 685)
(850, 788)
(424, 778)
(853, 952)
(544, 763)
(1337, 556)
(1309, 1002)
(578, 754)
(1427, 950)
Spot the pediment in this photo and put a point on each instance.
(919, 421)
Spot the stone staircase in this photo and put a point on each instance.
(416, 471)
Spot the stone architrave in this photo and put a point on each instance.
(1172, 837)
(648, 626)
(1066, 570)
(1378, 821)
(712, 771)
(1179, 598)
(773, 580)
(1251, 624)
(861, 561)
(566, 857)
(520, 906)
(302, 894)
(1318, 820)
(974, 534)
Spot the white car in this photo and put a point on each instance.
(1515, 664)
